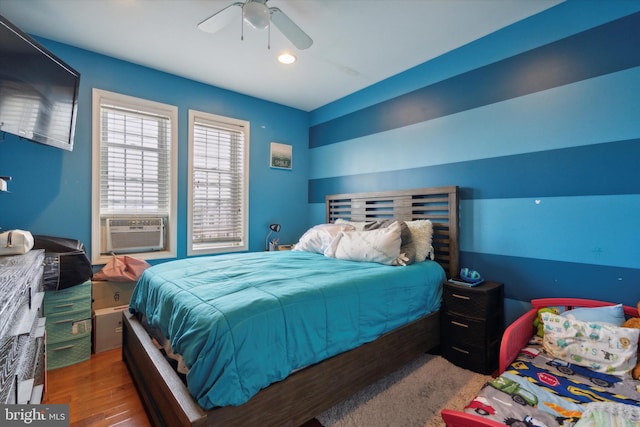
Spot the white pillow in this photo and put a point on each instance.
(613, 314)
(320, 238)
(422, 236)
(358, 225)
(381, 245)
(599, 346)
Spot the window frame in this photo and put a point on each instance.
(98, 232)
(204, 117)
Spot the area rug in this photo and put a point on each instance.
(411, 396)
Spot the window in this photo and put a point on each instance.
(134, 177)
(218, 184)
(21, 111)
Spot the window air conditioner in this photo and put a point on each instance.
(135, 234)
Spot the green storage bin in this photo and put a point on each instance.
(68, 326)
(65, 326)
(74, 299)
(70, 352)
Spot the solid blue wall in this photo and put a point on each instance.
(537, 124)
(51, 188)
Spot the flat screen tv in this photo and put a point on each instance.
(38, 91)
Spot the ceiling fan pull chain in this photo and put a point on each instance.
(269, 35)
(241, 28)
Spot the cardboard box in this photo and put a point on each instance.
(110, 294)
(107, 328)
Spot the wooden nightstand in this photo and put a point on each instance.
(472, 325)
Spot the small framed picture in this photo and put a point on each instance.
(281, 156)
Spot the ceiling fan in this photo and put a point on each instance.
(257, 14)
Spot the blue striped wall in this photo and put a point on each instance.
(542, 136)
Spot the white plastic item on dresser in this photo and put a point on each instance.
(22, 328)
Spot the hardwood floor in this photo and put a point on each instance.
(100, 393)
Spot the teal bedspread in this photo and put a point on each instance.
(244, 321)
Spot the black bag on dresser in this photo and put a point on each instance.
(65, 262)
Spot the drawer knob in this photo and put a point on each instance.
(460, 296)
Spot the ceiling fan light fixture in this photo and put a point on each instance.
(256, 14)
(286, 58)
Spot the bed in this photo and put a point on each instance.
(573, 383)
(317, 384)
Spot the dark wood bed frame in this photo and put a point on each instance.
(310, 391)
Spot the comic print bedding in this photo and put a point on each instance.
(540, 390)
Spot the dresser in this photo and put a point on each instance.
(472, 325)
(69, 321)
(22, 328)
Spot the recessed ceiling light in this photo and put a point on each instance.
(286, 58)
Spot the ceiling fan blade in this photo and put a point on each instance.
(220, 19)
(299, 38)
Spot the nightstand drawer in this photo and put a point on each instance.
(479, 301)
(476, 358)
(470, 330)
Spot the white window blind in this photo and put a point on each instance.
(134, 177)
(218, 183)
(134, 162)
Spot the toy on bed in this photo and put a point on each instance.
(538, 323)
(578, 374)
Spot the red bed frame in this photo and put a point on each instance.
(515, 338)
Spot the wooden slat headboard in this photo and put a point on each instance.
(438, 204)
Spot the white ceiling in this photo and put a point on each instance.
(356, 42)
